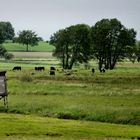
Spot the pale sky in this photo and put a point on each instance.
(45, 17)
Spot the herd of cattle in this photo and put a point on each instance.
(52, 69)
(16, 68)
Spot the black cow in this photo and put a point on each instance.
(52, 70)
(102, 70)
(16, 68)
(93, 70)
(39, 68)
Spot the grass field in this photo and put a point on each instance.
(81, 97)
(110, 97)
(26, 127)
(32, 55)
(16, 47)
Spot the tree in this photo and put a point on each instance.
(2, 51)
(5, 54)
(132, 52)
(110, 40)
(6, 31)
(2, 39)
(72, 44)
(138, 51)
(28, 37)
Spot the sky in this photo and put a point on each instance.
(45, 17)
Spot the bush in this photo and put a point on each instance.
(8, 56)
(26, 77)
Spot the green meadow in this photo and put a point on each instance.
(72, 104)
(16, 47)
(29, 127)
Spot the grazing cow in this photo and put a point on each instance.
(16, 68)
(52, 70)
(39, 68)
(93, 70)
(102, 70)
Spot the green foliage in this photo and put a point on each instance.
(26, 77)
(2, 51)
(72, 45)
(5, 54)
(28, 37)
(8, 56)
(6, 31)
(110, 39)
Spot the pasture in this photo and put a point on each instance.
(16, 47)
(83, 98)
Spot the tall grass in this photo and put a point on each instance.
(15, 127)
(110, 97)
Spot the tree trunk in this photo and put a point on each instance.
(71, 63)
(67, 57)
(113, 64)
(100, 63)
(27, 48)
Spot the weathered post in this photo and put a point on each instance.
(3, 88)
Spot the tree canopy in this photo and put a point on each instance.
(28, 37)
(109, 39)
(6, 31)
(72, 44)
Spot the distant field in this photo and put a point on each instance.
(16, 47)
(32, 54)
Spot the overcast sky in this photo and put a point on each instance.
(47, 16)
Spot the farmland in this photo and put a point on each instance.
(73, 104)
(16, 47)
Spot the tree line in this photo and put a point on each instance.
(108, 41)
(26, 37)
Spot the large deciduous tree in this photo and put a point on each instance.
(6, 31)
(72, 44)
(28, 37)
(110, 40)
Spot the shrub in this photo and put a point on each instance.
(26, 77)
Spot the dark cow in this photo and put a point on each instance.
(39, 68)
(17, 68)
(102, 70)
(52, 70)
(93, 70)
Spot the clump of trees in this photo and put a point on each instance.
(6, 33)
(110, 40)
(72, 45)
(107, 41)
